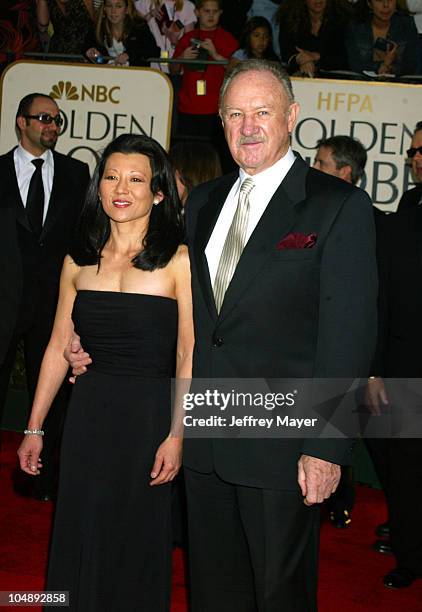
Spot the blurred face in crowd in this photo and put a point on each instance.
(125, 188)
(208, 15)
(36, 136)
(383, 10)
(115, 11)
(258, 119)
(417, 158)
(325, 162)
(259, 41)
(316, 7)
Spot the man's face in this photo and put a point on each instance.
(258, 120)
(325, 162)
(36, 136)
(417, 159)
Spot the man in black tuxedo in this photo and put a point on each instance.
(398, 460)
(294, 312)
(39, 207)
(413, 197)
(269, 312)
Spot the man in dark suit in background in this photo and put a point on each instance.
(271, 312)
(413, 197)
(40, 199)
(398, 460)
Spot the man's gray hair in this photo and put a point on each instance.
(258, 65)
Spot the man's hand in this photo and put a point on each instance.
(375, 393)
(318, 479)
(76, 357)
(168, 460)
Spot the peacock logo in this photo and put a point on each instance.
(64, 90)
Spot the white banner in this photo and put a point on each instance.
(100, 102)
(381, 115)
(97, 103)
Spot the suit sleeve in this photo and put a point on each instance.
(348, 307)
(11, 280)
(140, 45)
(385, 242)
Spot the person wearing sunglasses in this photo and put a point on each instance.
(41, 195)
(413, 197)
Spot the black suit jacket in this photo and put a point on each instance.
(399, 252)
(287, 313)
(410, 198)
(33, 266)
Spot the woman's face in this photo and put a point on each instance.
(259, 41)
(316, 7)
(383, 9)
(115, 11)
(125, 187)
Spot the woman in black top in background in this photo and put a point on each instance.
(122, 34)
(312, 35)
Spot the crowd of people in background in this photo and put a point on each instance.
(308, 36)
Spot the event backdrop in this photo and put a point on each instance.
(97, 103)
(100, 102)
(381, 115)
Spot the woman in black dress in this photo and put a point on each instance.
(126, 291)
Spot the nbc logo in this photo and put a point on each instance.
(64, 90)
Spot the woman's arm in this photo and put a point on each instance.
(43, 15)
(53, 369)
(169, 454)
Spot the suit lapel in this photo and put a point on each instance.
(418, 231)
(207, 219)
(12, 191)
(276, 221)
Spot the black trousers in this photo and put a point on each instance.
(398, 462)
(251, 549)
(34, 327)
(344, 496)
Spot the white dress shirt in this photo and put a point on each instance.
(266, 184)
(25, 169)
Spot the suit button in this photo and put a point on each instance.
(217, 341)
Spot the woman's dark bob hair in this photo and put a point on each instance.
(165, 229)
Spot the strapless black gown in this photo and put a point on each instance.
(111, 544)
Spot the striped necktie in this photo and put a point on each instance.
(234, 244)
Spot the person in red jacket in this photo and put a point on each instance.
(198, 96)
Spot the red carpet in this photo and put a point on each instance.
(350, 572)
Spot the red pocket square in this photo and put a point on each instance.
(296, 240)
